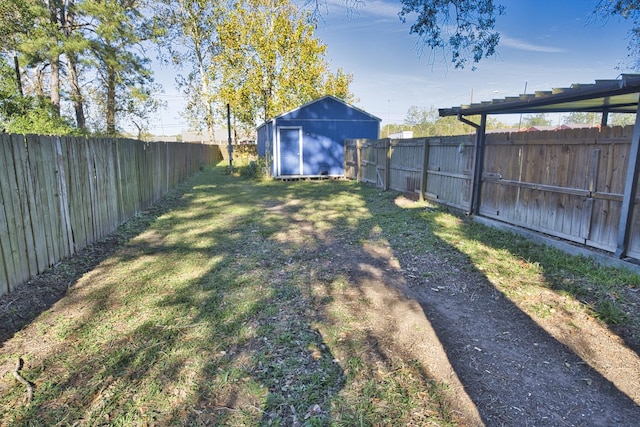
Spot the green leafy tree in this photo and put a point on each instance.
(41, 45)
(421, 120)
(629, 10)
(535, 120)
(592, 119)
(27, 114)
(75, 45)
(17, 17)
(12, 103)
(41, 116)
(464, 29)
(40, 33)
(192, 43)
(119, 29)
(621, 119)
(427, 122)
(271, 62)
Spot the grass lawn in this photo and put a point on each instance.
(225, 311)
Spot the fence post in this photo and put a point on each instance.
(358, 160)
(478, 166)
(425, 164)
(387, 166)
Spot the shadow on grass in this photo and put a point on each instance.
(29, 300)
(207, 317)
(267, 303)
(517, 367)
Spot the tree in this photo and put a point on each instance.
(427, 122)
(622, 119)
(270, 62)
(16, 19)
(42, 33)
(592, 119)
(119, 28)
(421, 120)
(192, 43)
(12, 102)
(627, 9)
(24, 114)
(75, 44)
(462, 28)
(535, 120)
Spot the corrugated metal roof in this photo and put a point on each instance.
(614, 96)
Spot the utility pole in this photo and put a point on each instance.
(230, 146)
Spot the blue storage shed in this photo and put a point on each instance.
(309, 141)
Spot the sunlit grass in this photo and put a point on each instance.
(209, 316)
(520, 268)
(221, 312)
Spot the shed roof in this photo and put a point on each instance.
(610, 96)
(330, 97)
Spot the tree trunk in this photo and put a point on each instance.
(55, 84)
(18, 78)
(111, 102)
(55, 61)
(68, 18)
(76, 95)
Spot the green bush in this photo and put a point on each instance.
(255, 169)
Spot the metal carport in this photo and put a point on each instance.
(620, 95)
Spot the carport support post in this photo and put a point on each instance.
(478, 161)
(630, 189)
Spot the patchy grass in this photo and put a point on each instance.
(520, 269)
(212, 315)
(234, 308)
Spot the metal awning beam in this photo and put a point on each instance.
(610, 95)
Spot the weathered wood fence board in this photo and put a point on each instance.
(405, 165)
(449, 171)
(59, 194)
(567, 184)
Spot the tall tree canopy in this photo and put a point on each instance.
(464, 29)
(627, 9)
(87, 61)
(192, 43)
(270, 61)
(119, 27)
(64, 47)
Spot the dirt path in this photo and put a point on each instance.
(504, 368)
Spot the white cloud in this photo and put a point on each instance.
(377, 8)
(512, 43)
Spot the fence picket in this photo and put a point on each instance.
(59, 194)
(8, 275)
(14, 215)
(567, 184)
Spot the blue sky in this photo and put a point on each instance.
(544, 44)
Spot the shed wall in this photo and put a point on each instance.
(324, 126)
(323, 142)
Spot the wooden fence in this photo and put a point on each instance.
(399, 165)
(568, 184)
(59, 194)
